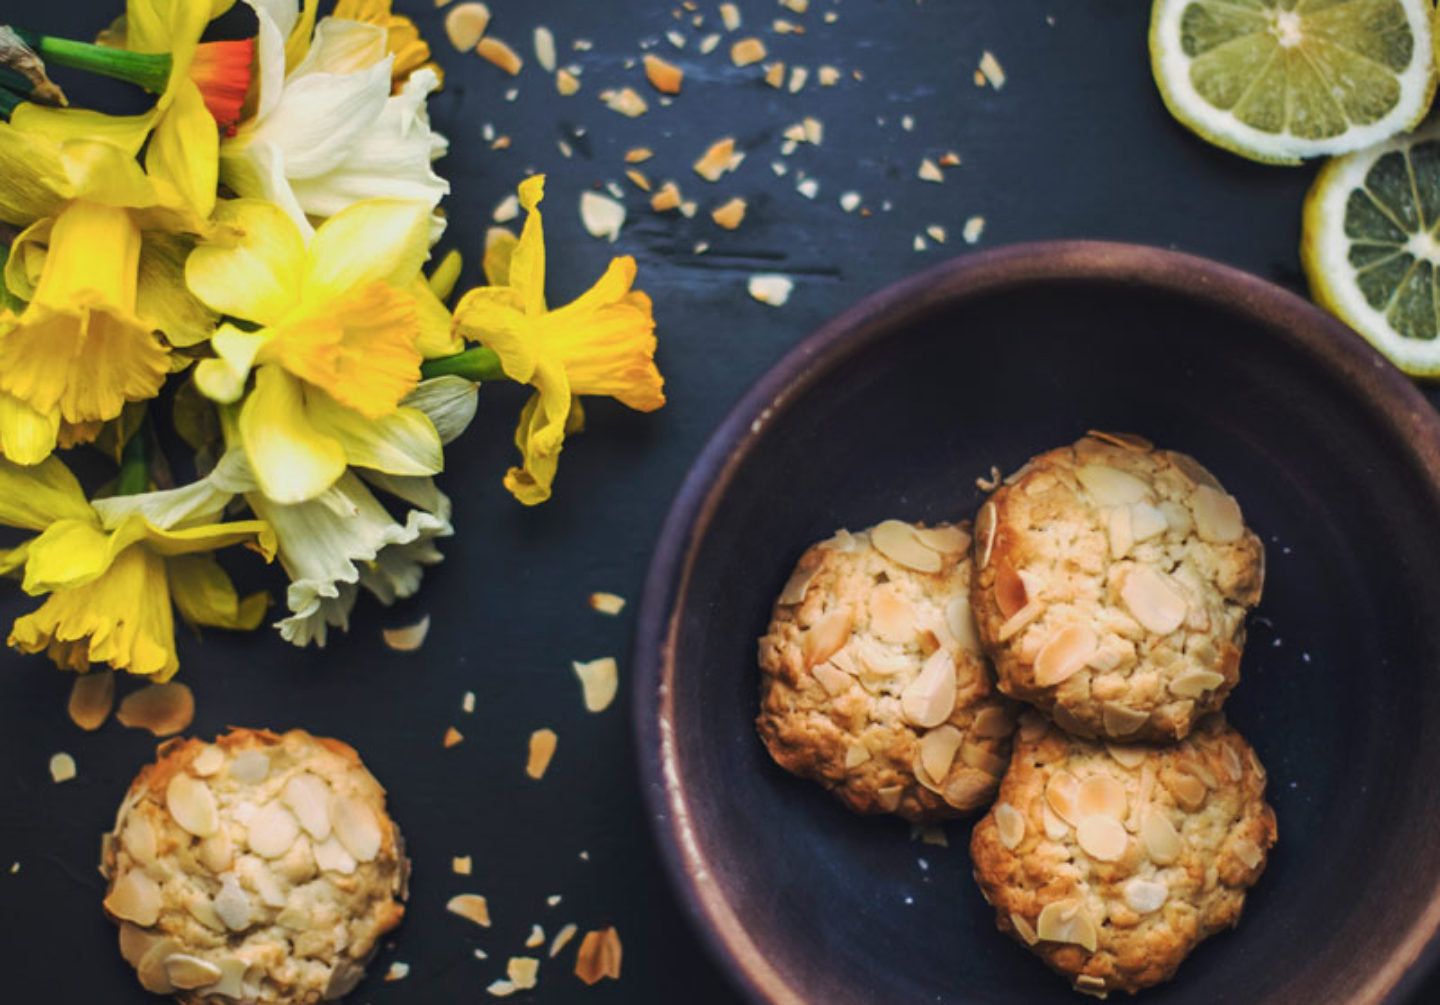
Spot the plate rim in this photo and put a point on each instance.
(1293, 320)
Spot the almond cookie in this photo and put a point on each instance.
(1112, 862)
(872, 679)
(1111, 587)
(259, 868)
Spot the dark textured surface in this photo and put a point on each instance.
(1076, 144)
(865, 423)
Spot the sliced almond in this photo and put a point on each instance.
(251, 767)
(716, 160)
(937, 750)
(232, 979)
(138, 839)
(1056, 829)
(1217, 515)
(1233, 768)
(163, 709)
(232, 904)
(638, 155)
(1109, 486)
(1121, 530)
(834, 680)
(856, 755)
(798, 584)
(208, 762)
(1065, 653)
(1018, 621)
(1194, 683)
(272, 831)
(1147, 521)
(465, 24)
(896, 540)
(187, 972)
(562, 938)
(498, 53)
(135, 942)
(1162, 841)
(1126, 756)
(545, 48)
(930, 697)
(1154, 599)
(986, 523)
(1120, 720)
(217, 852)
(826, 637)
(1145, 896)
(1009, 825)
(471, 907)
(542, 749)
(599, 956)
(747, 51)
(1101, 794)
(331, 856)
(1189, 791)
(151, 968)
(888, 797)
(891, 616)
(356, 827)
(1061, 793)
(1101, 837)
(308, 797)
(1023, 929)
(599, 682)
(969, 788)
(135, 897)
(1066, 921)
(92, 696)
(602, 216)
(1011, 590)
(1248, 852)
(192, 803)
(664, 77)
(947, 540)
(993, 722)
(407, 638)
(1129, 441)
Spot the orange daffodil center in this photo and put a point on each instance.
(344, 325)
(603, 343)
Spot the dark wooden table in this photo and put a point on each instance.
(1076, 144)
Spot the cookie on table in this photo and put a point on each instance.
(1112, 862)
(260, 868)
(872, 679)
(1112, 580)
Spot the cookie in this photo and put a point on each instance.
(872, 680)
(1112, 862)
(260, 868)
(1112, 580)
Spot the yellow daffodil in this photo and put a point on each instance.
(344, 326)
(113, 569)
(327, 131)
(85, 344)
(183, 146)
(402, 38)
(603, 343)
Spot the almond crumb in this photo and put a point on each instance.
(566, 82)
(562, 938)
(497, 52)
(599, 956)
(608, 603)
(501, 988)
(814, 130)
(523, 971)
(729, 16)
(453, 737)
(798, 6)
(470, 906)
(929, 171)
(666, 198)
(731, 214)
(828, 76)
(709, 44)
(398, 971)
(461, 865)
(783, 27)
(62, 768)
(688, 208)
(974, 227)
(747, 51)
(950, 159)
(637, 155)
(408, 638)
(467, 702)
(601, 215)
(664, 77)
(638, 177)
(625, 101)
(991, 70)
(798, 76)
(544, 42)
(501, 143)
(850, 201)
(542, 749)
(536, 938)
(770, 288)
(716, 160)
(466, 24)
(775, 74)
(936, 232)
(599, 680)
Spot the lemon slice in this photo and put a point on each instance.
(1281, 80)
(1370, 244)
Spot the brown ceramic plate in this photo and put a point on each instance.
(893, 409)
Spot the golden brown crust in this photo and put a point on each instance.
(845, 695)
(1111, 588)
(261, 868)
(1112, 862)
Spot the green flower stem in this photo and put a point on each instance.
(150, 70)
(478, 364)
(134, 476)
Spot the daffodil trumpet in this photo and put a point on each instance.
(220, 69)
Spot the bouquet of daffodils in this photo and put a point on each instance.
(246, 261)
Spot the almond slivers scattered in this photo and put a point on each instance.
(607, 603)
(407, 638)
(466, 24)
(492, 50)
(542, 748)
(471, 907)
(163, 709)
(664, 77)
(716, 160)
(599, 956)
(599, 679)
(731, 214)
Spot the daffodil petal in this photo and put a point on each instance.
(255, 169)
(499, 250)
(13, 558)
(204, 595)
(67, 553)
(252, 267)
(437, 336)
(223, 378)
(274, 19)
(26, 262)
(184, 150)
(104, 173)
(491, 315)
(443, 278)
(539, 436)
(35, 179)
(342, 46)
(26, 436)
(201, 501)
(448, 402)
(209, 537)
(127, 132)
(292, 462)
(297, 45)
(401, 443)
(34, 497)
(161, 296)
(376, 241)
(527, 261)
(320, 116)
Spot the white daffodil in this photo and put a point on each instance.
(345, 539)
(327, 132)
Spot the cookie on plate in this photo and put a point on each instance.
(1112, 862)
(872, 680)
(260, 868)
(1112, 580)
